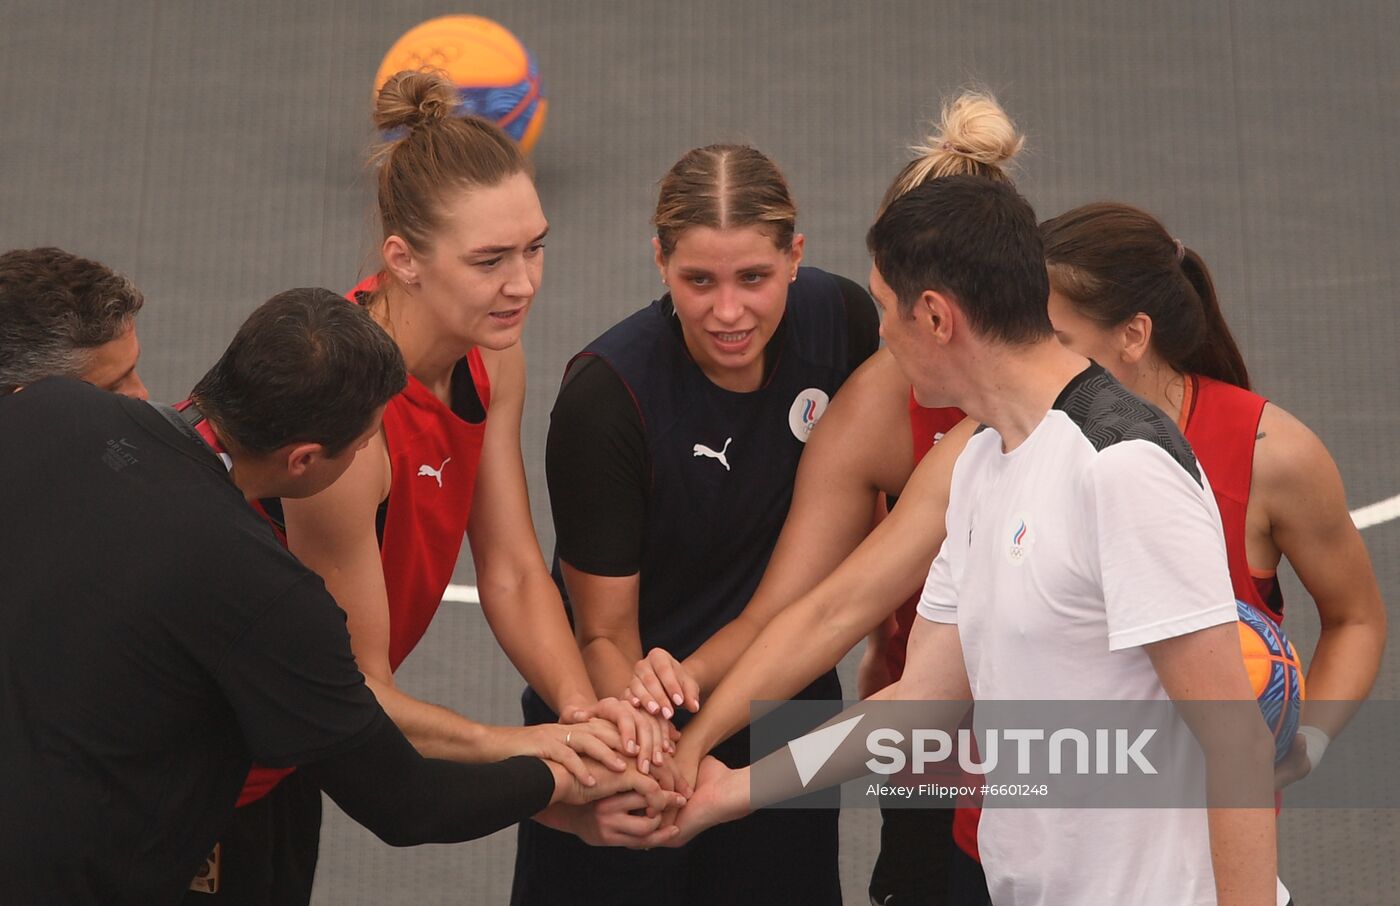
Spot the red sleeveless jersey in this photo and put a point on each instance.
(929, 426)
(1221, 424)
(434, 455)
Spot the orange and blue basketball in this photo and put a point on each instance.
(497, 77)
(1275, 672)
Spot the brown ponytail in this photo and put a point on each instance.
(1219, 356)
(1113, 260)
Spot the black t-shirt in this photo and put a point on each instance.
(155, 639)
(596, 458)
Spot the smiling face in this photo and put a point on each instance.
(478, 279)
(729, 287)
(112, 366)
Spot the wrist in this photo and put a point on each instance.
(563, 782)
(571, 698)
(699, 671)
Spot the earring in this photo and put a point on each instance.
(793, 278)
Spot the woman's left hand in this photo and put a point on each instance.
(660, 683)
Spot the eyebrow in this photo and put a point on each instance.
(748, 269)
(501, 249)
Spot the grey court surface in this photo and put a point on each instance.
(212, 151)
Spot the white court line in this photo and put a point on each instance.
(461, 594)
(1367, 516)
(1377, 513)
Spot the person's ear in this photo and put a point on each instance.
(1135, 338)
(659, 258)
(300, 457)
(400, 260)
(939, 310)
(799, 242)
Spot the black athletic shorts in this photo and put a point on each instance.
(267, 854)
(916, 851)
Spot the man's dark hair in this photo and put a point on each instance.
(55, 308)
(976, 240)
(307, 367)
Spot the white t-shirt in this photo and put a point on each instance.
(1096, 536)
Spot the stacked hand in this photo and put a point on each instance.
(660, 683)
(646, 737)
(629, 785)
(721, 794)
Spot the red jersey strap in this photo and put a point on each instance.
(1222, 423)
(928, 427)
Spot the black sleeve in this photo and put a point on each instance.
(598, 471)
(292, 680)
(862, 321)
(406, 799)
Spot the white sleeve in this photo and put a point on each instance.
(939, 601)
(1160, 545)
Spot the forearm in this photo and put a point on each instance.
(610, 661)
(534, 633)
(1343, 669)
(712, 660)
(406, 799)
(1244, 854)
(773, 668)
(435, 731)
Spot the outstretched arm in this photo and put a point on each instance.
(518, 596)
(407, 799)
(333, 533)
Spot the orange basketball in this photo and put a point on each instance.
(496, 76)
(1275, 672)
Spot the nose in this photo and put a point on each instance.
(729, 308)
(135, 388)
(520, 282)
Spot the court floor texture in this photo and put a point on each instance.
(214, 151)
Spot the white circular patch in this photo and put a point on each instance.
(805, 411)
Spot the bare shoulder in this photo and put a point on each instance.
(875, 395)
(865, 431)
(1287, 452)
(878, 377)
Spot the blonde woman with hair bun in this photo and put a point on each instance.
(864, 452)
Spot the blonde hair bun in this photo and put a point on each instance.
(973, 137)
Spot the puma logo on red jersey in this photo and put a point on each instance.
(434, 473)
